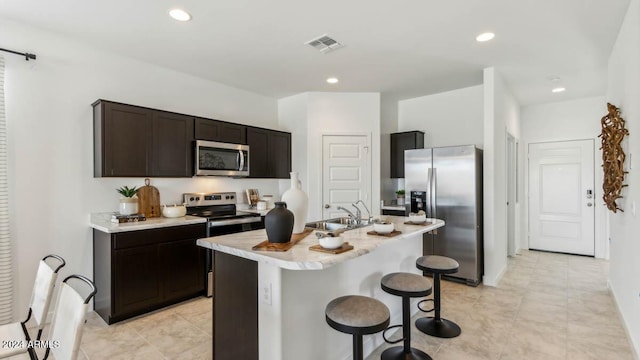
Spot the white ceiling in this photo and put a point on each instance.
(403, 48)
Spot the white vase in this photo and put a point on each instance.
(128, 206)
(297, 202)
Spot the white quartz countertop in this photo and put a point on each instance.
(102, 222)
(394, 207)
(299, 257)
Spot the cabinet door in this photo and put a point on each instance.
(279, 155)
(125, 140)
(258, 141)
(183, 268)
(172, 154)
(399, 143)
(213, 130)
(136, 279)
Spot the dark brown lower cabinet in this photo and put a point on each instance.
(235, 308)
(139, 271)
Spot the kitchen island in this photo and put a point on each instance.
(270, 305)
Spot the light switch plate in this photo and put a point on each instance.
(265, 293)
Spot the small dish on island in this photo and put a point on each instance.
(417, 218)
(383, 227)
(331, 242)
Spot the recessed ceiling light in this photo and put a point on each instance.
(179, 14)
(485, 37)
(332, 80)
(558, 89)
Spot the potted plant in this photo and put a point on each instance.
(400, 197)
(129, 200)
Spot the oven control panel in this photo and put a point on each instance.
(202, 199)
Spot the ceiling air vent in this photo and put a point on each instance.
(324, 44)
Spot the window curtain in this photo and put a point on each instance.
(6, 282)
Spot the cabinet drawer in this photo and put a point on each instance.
(155, 236)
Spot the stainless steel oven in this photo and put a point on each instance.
(221, 159)
(222, 219)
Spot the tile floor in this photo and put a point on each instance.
(547, 306)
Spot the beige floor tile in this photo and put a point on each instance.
(547, 306)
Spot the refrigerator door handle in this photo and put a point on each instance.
(428, 206)
(434, 204)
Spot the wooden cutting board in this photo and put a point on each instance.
(149, 200)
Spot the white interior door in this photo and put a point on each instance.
(346, 173)
(561, 214)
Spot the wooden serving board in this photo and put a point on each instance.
(149, 200)
(295, 238)
(345, 247)
(391, 234)
(424, 223)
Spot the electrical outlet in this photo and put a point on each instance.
(265, 290)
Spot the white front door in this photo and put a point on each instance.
(561, 215)
(346, 173)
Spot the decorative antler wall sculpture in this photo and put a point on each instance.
(613, 132)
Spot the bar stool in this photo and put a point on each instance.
(407, 286)
(437, 326)
(357, 315)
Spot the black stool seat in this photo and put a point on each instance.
(436, 325)
(407, 286)
(357, 315)
(437, 263)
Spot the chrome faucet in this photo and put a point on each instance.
(356, 219)
(369, 217)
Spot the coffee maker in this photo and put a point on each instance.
(418, 201)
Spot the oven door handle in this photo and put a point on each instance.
(247, 220)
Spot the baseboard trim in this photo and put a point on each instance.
(494, 281)
(635, 348)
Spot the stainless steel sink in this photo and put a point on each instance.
(346, 223)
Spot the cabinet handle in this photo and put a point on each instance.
(326, 206)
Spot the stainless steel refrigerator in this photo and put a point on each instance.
(446, 182)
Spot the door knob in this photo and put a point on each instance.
(589, 204)
(326, 206)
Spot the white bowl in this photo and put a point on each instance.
(417, 219)
(174, 211)
(331, 242)
(381, 228)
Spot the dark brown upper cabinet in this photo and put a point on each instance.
(133, 141)
(269, 153)
(172, 151)
(215, 130)
(121, 141)
(399, 143)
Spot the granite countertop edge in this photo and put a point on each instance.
(299, 257)
(102, 222)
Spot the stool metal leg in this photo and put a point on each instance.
(436, 326)
(405, 352)
(357, 347)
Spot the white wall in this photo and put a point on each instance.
(623, 90)
(501, 114)
(447, 119)
(567, 120)
(292, 117)
(50, 141)
(388, 125)
(334, 114)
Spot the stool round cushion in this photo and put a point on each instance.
(406, 284)
(358, 315)
(437, 264)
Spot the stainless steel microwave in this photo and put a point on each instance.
(221, 159)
